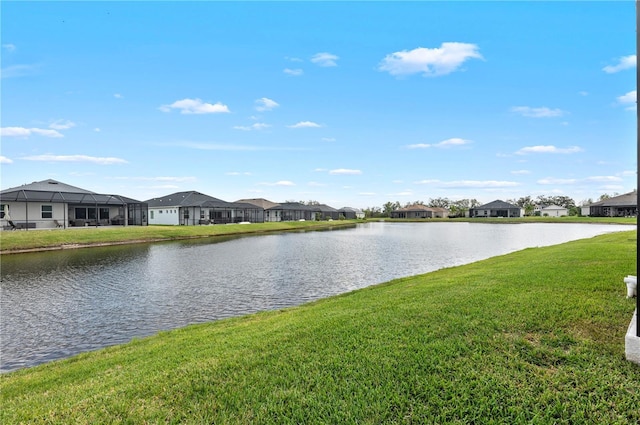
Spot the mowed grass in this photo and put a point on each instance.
(534, 337)
(13, 241)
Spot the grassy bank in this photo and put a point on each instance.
(536, 336)
(532, 219)
(17, 241)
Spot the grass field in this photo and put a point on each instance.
(16, 241)
(533, 337)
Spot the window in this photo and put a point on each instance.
(151, 212)
(47, 211)
(104, 213)
(186, 214)
(81, 213)
(4, 210)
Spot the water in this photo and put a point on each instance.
(57, 304)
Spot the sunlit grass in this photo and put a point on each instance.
(56, 238)
(535, 336)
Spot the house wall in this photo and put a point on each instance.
(164, 216)
(554, 212)
(32, 212)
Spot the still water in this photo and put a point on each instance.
(57, 304)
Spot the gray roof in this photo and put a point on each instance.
(295, 206)
(496, 205)
(260, 202)
(54, 191)
(185, 199)
(350, 209)
(628, 199)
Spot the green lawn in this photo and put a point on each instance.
(14, 241)
(533, 337)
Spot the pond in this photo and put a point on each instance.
(57, 304)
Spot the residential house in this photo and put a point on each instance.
(293, 211)
(351, 213)
(625, 205)
(554, 211)
(419, 211)
(51, 204)
(193, 208)
(496, 208)
(266, 205)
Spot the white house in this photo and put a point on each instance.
(554, 211)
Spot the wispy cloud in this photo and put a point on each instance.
(26, 132)
(9, 47)
(14, 71)
(521, 172)
(265, 104)
(5, 160)
(548, 149)
(453, 142)
(216, 146)
(592, 179)
(237, 173)
(256, 126)
(629, 100)
(328, 139)
(173, 179)
(305, 124)
(434, 62)
(325, 59)
(293, 72)
(195, 106)
(475, 184)
(624, 62)
(542, 112)
(76, 158)
(62, 125)
(279, 183)
(118, 96)
(345, 171)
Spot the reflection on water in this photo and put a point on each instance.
(56, 304)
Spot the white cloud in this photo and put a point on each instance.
(328, 139)
(118, 96)
(403, 193)
(320, 170)
(629, 99)
(9, 47)
(97, 130)
(521, 172)
(325, 59)
(624, 62)
(427, 181)
(293, 59)
(293, 72)
(62, 125)
(548, 149)
(280, 183)
(305, 124)
(173, 179)
(583, 93)
(345, 171)
(367, 194)
(17, 71)
(456, 141)
(542, 112)
(256, 126)
(480, 184)
(430, 62)
(195, 106)
(316, 184)
(76, 158)
(266, 104)
(5, 160)
(26, 132)
(592, 179)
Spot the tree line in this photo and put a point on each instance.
(459, 208)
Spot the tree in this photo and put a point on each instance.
(388, 207)
(439, 203)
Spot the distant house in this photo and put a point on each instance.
(351, 213)
(192, 208)
(265, 205)
(419, 211)
(293, 211)
(327, 212)
(496, 208)
(617, 206)
(554, 211)
(51, 204)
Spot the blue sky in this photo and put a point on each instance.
(346, 103)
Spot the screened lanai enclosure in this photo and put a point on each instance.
(52, 204)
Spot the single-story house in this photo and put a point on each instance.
(327, 212)
(351, 213)
(293, 211)
(554, 211)
(496, 208)
(625, 205)
(420, 211)
(192, 208)
(52, 204)
(266, 205)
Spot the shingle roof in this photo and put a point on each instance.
(260, 202)
(495, 205)
(627, 199)
(184, 199)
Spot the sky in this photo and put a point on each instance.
(344, 103)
